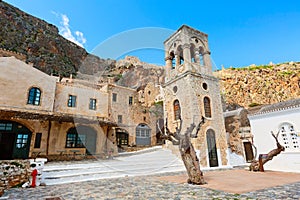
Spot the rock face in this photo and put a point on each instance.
(139, 73)
(39, 41)
(258, 85)
(129, 72)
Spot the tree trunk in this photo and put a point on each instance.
(264, 158)
(191, 163)
(187, 151)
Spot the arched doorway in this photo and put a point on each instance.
(212, 149)
(82, 137)
(14, 140)
(143, 135)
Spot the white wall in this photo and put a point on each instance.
(261, 127)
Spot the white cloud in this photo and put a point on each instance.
(65, 31)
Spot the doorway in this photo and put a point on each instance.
(15, 140)
(212, 149)
(248, 151)
(143, 135)
(122, 137)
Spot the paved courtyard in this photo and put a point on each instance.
(154, 187)
(143, 177)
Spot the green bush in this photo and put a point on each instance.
(254, 104)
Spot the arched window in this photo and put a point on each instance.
(82, 137)
(177, 110)
(34, 96)
(207, 108)
(288, 137)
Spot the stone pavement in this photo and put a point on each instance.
(161, 187)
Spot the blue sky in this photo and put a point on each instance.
(240, 33)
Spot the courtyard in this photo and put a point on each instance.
(144, 176)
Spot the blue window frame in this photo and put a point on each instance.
(72, 101)
(34, 96)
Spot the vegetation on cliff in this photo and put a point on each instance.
(259, 85)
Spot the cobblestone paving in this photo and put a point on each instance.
(143, 187)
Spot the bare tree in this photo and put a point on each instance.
(257, 165)
(187, 150)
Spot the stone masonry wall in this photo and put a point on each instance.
(13, 173)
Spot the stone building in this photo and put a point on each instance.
(239, 137)
(282, 118)
(61, 118)
(191, 91)
(135, 125)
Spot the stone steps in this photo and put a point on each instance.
(153, 162)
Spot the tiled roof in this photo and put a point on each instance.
(279, 106)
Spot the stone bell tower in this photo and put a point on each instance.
(191, 91)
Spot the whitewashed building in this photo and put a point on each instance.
(285, 118)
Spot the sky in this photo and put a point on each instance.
(240, 33)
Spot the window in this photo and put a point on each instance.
(120, 119)
(92, 105)
(207, 108)
(114, 97)
(143, 131)
(177, 110)
(72, 101)
(75, 140)
(130, 100)
(289, 137)
(21, 140)
(38, 139)
(34, 96)
(5, 126)
(204, 86)
(175, 89)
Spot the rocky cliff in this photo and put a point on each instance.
(41, 44)
(259, 85)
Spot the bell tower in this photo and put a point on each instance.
(191, 91)
(187, 50)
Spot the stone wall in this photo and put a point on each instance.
(13, 173)
(189, 91)
(7, 53)
(17, 83)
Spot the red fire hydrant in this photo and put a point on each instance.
(34, 174)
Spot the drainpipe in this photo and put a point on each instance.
(48, 137)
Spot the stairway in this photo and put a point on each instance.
(152, 162)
